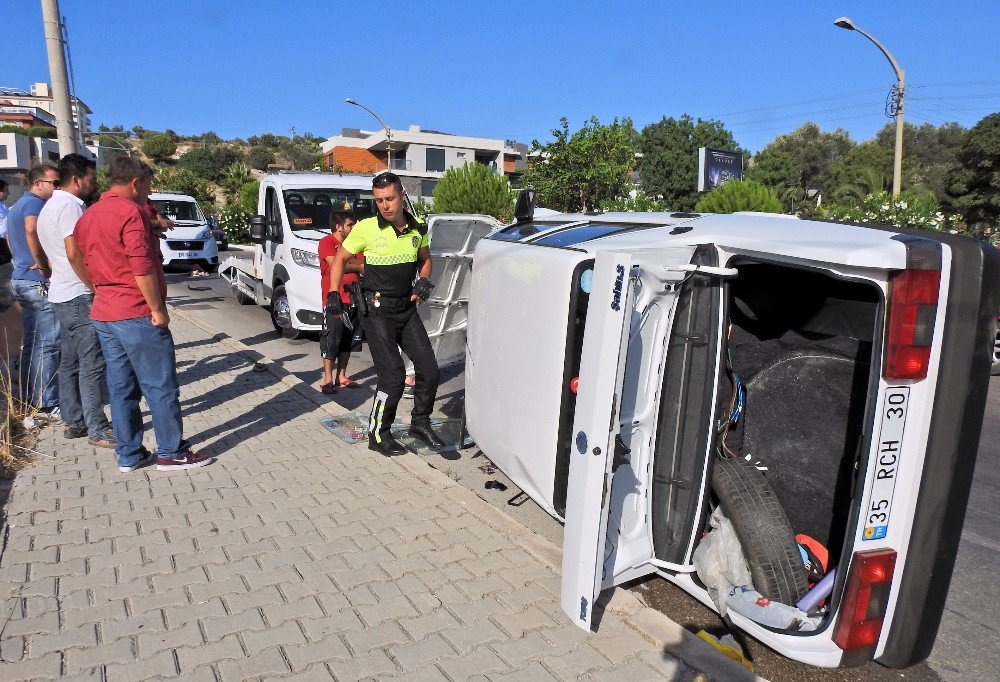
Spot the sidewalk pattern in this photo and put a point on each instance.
(294, 555)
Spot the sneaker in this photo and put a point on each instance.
(49, 415)
(145, 461)
(75, 432)
(106, 439)
(189, 460)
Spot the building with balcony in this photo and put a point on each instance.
(418, 157)
(40, 98)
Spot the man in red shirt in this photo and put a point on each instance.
(131, 320)
(338, 339)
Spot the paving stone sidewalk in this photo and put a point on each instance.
(293, 556)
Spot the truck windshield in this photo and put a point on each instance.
(180, 210)
(311, 209)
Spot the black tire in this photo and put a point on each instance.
(281, 314)
(763, 529)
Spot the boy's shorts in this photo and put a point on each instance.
(336, 338)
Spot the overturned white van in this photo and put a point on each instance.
(618, 363)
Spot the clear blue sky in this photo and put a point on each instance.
(512, 69)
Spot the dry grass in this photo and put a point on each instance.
(17, 436)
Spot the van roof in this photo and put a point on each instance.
(319, 180)
(169, 194)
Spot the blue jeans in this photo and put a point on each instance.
(40, 349)
(140, 363)
(81, 369)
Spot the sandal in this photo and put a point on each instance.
(349, 383)
(328, 389)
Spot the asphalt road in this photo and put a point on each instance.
(968, 644)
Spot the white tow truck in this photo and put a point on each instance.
(294, 214)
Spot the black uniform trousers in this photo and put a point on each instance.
(387, 330)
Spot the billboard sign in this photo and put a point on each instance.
(716, 167)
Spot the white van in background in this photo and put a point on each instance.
(189, 243)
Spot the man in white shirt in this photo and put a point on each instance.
(81, 367)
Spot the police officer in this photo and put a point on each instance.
(397, 277)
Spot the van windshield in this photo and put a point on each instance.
(311, 209)
(180, 210)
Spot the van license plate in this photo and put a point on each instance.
(886, 464)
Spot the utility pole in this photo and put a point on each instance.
(57, 73)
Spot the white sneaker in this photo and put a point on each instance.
(50, 416)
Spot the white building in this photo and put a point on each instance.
(418, 157)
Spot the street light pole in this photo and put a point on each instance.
(897, 163)
(388, 131)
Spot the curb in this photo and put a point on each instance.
(668, 636)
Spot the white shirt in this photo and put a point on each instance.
(55, 223)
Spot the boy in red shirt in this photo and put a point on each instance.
(338, 339)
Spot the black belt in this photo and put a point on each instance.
(379, 301)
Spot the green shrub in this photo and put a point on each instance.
(739, 195)
(474, 188)
(640, 203)
(183, 180)
(158, 147)
(906, 210)
(422, 209)
(235, 222)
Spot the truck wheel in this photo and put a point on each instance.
(281, 314)
(761, 525)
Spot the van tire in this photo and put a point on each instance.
(763, 530)
(279, 299)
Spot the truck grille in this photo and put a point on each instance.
(192, 245)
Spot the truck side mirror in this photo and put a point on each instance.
(258, 228)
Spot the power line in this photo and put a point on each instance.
(800, 102)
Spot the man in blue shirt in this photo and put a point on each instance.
(30, 286)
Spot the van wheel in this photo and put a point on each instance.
(763, 529)
(281, 314)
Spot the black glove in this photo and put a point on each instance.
(334, 305)
(422, 288)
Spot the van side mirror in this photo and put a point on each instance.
(524, 209)
(258, 229)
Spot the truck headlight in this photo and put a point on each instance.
(305, 258)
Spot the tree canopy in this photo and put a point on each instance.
(578, 171)
(159, 147)
(813, 151)
(668, 168)
(210, 162)
(474, 188)
(974, 185)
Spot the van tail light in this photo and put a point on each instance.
(913, 298)
(863, 607)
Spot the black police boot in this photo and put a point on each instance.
(388, 446)
(422, 430)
